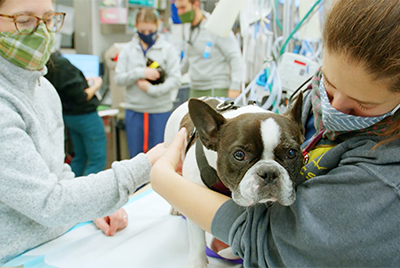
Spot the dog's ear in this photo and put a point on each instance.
(295, 111)
(207, 122)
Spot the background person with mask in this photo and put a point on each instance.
(214, 63)
(150, 93)
(79, 103)
(40, 198)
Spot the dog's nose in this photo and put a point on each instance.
(268, 176)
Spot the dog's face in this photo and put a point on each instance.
(259, 155)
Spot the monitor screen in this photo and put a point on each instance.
(88, 64)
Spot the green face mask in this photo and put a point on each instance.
(187, 17)
(31, 51)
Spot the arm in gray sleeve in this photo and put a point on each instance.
(173, 75)
(124, 75)
(229, 47)
(184, 65)
(56, 198)
(338, 220)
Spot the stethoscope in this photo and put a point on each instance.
(192, 29)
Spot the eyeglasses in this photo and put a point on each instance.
(27, 24)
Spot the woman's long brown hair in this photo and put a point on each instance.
(368, 33)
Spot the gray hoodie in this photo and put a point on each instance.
(130, 68)
(224, 66)
(347, 214)
(39, 197)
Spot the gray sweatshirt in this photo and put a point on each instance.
(347, 214)
(39, 197)
(130, 68)
(224, 66)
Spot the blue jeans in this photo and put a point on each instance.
(144, 131)
(88, 141)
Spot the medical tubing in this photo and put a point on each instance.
(276, 15)
(274, 26)
(274, 47)
(248, 89)
(318, 52)
(271, 99)
(278, 88)
(298, 26)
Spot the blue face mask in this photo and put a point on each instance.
(337, 121)
(149, 39)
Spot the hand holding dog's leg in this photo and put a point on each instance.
(194, 201)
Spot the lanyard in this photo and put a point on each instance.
(193, 28)
(311, 145)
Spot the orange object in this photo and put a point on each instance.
(145, 132)
(217, 245)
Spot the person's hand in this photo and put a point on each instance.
(96, 81)
(113, 223)
(171, 159)
(94, 84)
(143, 84)
(156, 152)
(233, 94)
(151, 74)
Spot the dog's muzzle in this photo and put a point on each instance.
(263, 182)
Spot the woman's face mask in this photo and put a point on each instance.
(335, 120)
(30, 52)
(147, 32)
(149, 39)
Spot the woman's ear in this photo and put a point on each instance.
(196, 4)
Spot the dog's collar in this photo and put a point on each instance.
(190, 140)
(208, 174)
(229, 104)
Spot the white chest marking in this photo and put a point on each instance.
(270, 134)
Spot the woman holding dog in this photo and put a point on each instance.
(347, 210)
(40, 198)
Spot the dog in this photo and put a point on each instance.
(253, 152)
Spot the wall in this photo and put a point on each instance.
(66, 40)
(88, 36)
(101, 42)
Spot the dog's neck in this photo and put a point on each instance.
(208, 174)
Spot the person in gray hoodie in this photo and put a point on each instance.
(347, 211)
(214, 63)
(40, 198)
(149, 68)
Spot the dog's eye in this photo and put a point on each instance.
(291, 154)
(239, 155)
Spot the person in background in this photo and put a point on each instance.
(149, 68)
(79, 104)
(214, 63)
(347, 211)
(40, 197)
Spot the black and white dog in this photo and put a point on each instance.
(254, 153)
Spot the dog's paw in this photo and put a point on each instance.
(174, 212)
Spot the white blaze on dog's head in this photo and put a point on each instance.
(270, 134)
